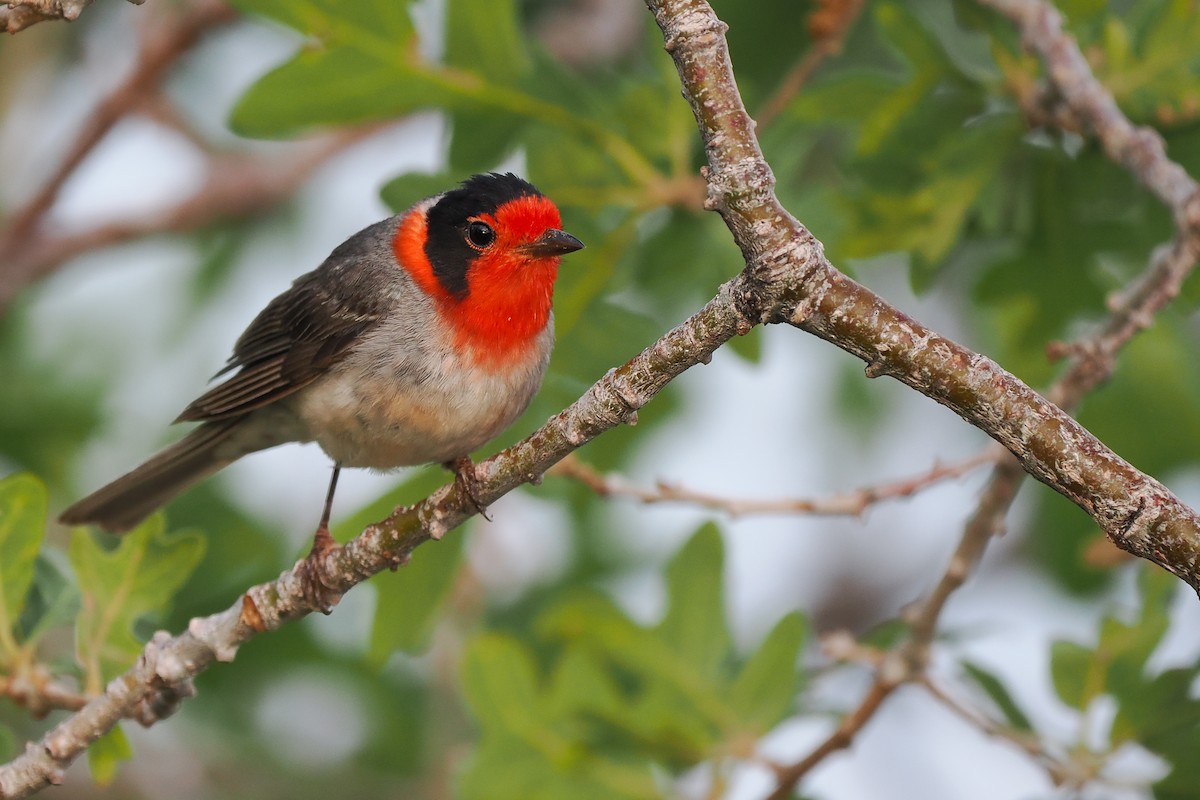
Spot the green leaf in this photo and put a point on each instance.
(106, 754)
(581, 683)
(8, 743)
(54, 600)
(500, 684)
(1128, 645)
(1117, 665)
(338, 21)
(1183, 779)
(327, 87)
(847, 97)
(505, 770)
(481, 138)
(484, 36)
(136, 579)
(994, 688)
(409, 601)
(22, 525)
(402, 191)
(1070, 669)
(694, 625)
(765, 690)
(1163, 717)
(677, 702)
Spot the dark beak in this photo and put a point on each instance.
(552, 243)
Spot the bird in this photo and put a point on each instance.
(419, 339)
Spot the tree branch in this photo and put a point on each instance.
(237, 186)
(787, 279)
(1093, 359)
(853, 504)
(18, 15)
(1137, 512)
(162, 676)
(26, 251)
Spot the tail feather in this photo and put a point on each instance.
(131, 498)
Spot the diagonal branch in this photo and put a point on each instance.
(1136, 511)
(162, 675)
(787, 279)
(1092, 360)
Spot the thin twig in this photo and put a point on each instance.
(852, 504)
(1061, 772)
(891, 672)
(237, 186)
(162, 46)
(34, 688)
(828, 25)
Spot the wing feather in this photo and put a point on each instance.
(296, 338)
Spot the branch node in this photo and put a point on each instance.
(250, 616)
(222, 649)
(1057, 349)
(162, 702)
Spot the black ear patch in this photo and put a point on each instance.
(446, 240)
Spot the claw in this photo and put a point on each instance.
(464, 478)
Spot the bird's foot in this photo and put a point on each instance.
(317, 592)
(466, 481)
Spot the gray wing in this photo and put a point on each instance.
(299, 335)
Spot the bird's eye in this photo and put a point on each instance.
(480, 234)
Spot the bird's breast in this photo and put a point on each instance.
(404, 404)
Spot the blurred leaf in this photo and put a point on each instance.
(325, 87)
(480, 139)
(402, 191)
(994, 688)
(694, 625)
(120, 586)
(927, 220)
(484, 37)
(1075, 681)
(847, 97)
(22, 525)
(1117, 664)
(336, 19)
(765, 38)
(220, 251)
(500, 684)
(1127, 646)
(1163, 717)
(581, 683)
(765, 690)
(45, 415)
(106, 754)
(505, 770)
(1181, 782)
(410, 601)
(8, 743)
(54, 600)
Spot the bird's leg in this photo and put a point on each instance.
(317, 592)
(322, 541)
(464, 478)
